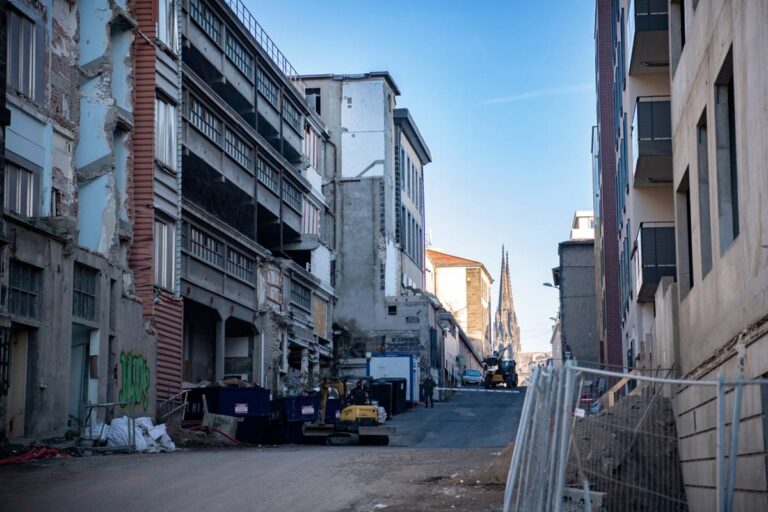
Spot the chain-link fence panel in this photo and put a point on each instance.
(599, 440)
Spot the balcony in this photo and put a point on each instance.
(212, 264)
(647, 36)
(653, 257)
(652, 142)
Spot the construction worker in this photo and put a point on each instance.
(429, 387)
(358, 395)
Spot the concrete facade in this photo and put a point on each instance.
(700, 306)
(379, 206)
(257, 238)
(575, 278)
(67, 199)
(642, 149)
(719, 128)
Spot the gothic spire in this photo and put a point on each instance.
(506, 328)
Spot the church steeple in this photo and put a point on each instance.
(506, 328)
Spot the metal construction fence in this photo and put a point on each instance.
(597, 440)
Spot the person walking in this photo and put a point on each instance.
(429, 387)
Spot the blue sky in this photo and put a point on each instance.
(503, 93)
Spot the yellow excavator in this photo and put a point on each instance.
(358, 421)
(499, 370)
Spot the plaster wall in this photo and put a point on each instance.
(451, 289)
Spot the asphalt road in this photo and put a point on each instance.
(453, 437)
(470, 419)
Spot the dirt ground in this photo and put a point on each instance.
(297, 478)
(459, 479)
(630, 453)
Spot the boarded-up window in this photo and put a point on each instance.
(320, 317)
(274, 289)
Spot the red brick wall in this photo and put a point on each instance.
(604, 49)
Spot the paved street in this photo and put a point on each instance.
(458, 437)
(471, 419)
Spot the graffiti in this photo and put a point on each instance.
(135, 385)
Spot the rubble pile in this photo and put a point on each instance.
(630, 453)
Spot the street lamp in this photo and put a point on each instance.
(549, 285)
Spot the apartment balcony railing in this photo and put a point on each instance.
(261, 37)
(647, 36)
(653, 257)
(652, 141)
(217, 254)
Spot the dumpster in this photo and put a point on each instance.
(332, 410)
(242, 402)
(381, 392)
(194, 412)
(399, 394)
(293, 412)
(250, 405)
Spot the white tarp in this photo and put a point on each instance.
(149, 437)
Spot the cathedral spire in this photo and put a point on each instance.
(506, 328)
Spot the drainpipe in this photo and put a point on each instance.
(261, 364)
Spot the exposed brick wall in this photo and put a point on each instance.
(164, 312)
(604, 80)
(142, 192)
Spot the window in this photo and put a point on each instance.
(165, 133)
(204, 120)
(313, 99)
(166, 24)
(301, 295)
(677, 33)
(268, 176)
(683, 233)
(310, 220)
(267, 87)
(311, 144)
(204, 17)
(292, 195)
(392, 310)
(240, 265)
(165, 254)
(205, 247)
(402, 169)
(22, 54)
(292, 115)
(725, 138)
(20, 190)
(238, 149)
(23, 289)
(705, 225)
(84, 288)
(237, 54)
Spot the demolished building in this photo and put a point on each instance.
(165, 211)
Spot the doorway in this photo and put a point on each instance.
(17, 390)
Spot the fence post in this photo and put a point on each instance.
(560, 376)
(570, 377)
(522, 433)
(734, 452)
(720, 442)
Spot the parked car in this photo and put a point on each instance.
(472, 377)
